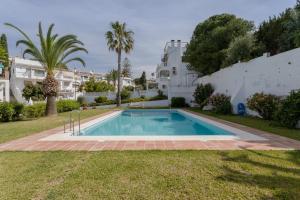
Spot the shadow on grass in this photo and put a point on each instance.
(268, 171)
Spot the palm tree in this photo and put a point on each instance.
(119, 39)
(114, 76)
(53, 52)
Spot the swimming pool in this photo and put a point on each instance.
(152, 123)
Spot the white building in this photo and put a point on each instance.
(4, 90)
(25, 71)
(4, 84)
(126, 81)
(172, 72)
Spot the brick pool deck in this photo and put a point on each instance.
(34, 143)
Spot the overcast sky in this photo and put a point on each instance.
(154, 22)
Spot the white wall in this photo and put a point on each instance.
(4, 90)
(276, 75)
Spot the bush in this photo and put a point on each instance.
(133, 100)
(288, 113)
(125, 94)
(18, 111)
(178, 102)
(129, 88)
(202, 94)
(101, 99)
(221, 104)
(6, 111)
(81, 100)
(67, 105)
(264, 104)
(34, 92)
(35, 110)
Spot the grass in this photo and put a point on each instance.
(14, 130)
(255, 122)
(150, 175)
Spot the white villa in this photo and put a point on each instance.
(25, 71)
(172, 72)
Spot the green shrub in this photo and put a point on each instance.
(34, 92)
(288, 113)
(67, 105)
(202, 94)
(132, 100)
(35, 110)
(18, 111)
(264, 104)
(101, 99)
(81, 100)
(125, 94)
(6, 111)
(221, 104)
(178, 102)
(129, 88)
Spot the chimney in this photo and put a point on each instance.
(178, 43)
(172, 43)
(267, 54)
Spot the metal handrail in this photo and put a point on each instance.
(71, 122)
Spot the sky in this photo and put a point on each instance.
(154, 23)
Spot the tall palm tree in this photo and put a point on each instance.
(53, 52)
(119, 39)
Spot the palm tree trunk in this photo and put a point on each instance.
(119, 79)
(50, 90)
(51, 106)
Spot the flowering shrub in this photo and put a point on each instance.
(264, 104)
(221, 104)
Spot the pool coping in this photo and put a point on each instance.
(238, 134)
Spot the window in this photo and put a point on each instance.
(39, 73)
(164, 86)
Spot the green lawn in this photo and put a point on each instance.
(150, 175)
(14, 130)
(257, 123)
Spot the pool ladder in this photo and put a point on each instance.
(71, 123)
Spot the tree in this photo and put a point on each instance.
(142, 81)
(114, 76)
(52, 52)
(119, 39)
(5, 55)
(242, 48)
(34, 92)
(97, 86)
(281, 33)
(206, 51)
(126, 71)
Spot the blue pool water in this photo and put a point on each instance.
(152, 123)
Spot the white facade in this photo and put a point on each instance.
(126, 81)
(276, 75)
(4, 90)
(172, 72)
(25, 71)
